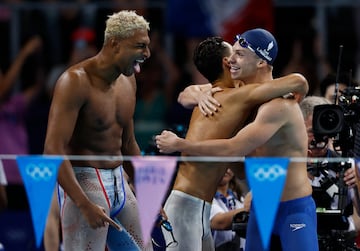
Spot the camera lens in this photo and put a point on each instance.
(327, 119)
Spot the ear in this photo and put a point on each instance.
(225, 61)
(262, 63)
(115, 44)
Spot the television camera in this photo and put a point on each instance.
(339, 122)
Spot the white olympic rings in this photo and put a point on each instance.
(268, 172)
(40, 171)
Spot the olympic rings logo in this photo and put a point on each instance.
(267, 172)
(40, 171)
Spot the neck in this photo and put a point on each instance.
(261, 76)
(104, 69)
(225, 81)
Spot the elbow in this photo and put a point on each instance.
(182, 101)
(219, 225)
(48, 149)
(180, 98)
(303, 83)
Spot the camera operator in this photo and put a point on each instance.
(324, 176)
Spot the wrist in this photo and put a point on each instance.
(180, 144)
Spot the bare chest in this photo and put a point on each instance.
(105, 109)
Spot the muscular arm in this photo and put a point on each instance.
(129, 147)
(201, 95)
(52, 231)
(293, 83)
(271, 116)
(67, 101)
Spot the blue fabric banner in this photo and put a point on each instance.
(266, 178)
(39, 175)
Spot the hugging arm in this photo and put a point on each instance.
(269, 119)
(201, 95)
(294, 83)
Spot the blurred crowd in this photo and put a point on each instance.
(51, 35)
(42, 38)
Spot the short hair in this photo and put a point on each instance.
(308, 103)
(123, 24)
(208, 56)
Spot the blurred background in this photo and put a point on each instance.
(41, 38)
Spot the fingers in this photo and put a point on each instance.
(209, 106)
(216, 89)
(106, 220)
(204, 112)
(158, 140)
(113, 223)
(350, 177)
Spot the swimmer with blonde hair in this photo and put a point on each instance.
(92, 114)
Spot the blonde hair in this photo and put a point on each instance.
(123, 24)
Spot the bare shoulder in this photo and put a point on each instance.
(72, 86)
(74, 77)
(279, 107)
(281, 102)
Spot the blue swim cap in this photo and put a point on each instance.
(261, 42)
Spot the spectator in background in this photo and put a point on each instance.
(318, 173)
(225, 205)
(302, 60)
(328, 85)
(13, 108)
(82, 47)
(60, 19)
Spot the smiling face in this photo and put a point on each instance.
(129, 53)
(243, 63)
(228, 175)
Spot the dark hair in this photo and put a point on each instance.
(208, 56)
(330, 79)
